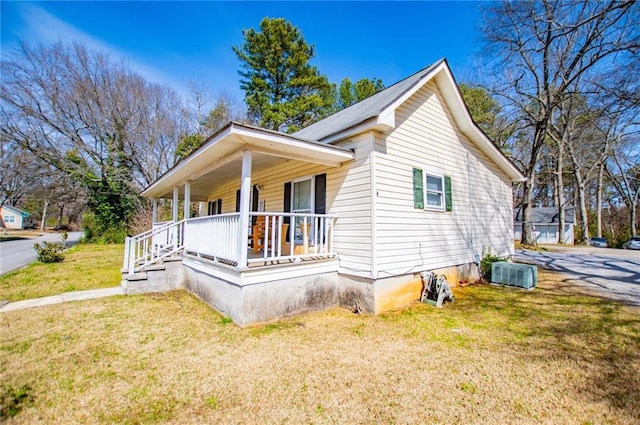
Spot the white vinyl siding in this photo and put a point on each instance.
(348, 197)
(409, 240)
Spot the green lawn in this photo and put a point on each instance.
(496, 355)
(84, 267)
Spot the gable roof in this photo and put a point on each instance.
(378, 113)
(364, 110)
(544, 215)
(16, 210)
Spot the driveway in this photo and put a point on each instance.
(18, 253)
(611, 273)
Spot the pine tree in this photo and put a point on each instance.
(283, 91)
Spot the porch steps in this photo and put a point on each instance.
(135, 277)
(163, 275)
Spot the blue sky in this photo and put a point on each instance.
(169, 42)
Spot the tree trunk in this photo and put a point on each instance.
(560, 193)
(59, 220)
(599, 201)
(584, 220)
(43, 222)
(634, 206)
(528, 235)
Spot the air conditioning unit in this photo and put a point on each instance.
(520, 275)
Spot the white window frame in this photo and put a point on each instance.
(426, 191)
(313, 191)
(312, 178)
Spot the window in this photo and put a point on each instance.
(305, 195)
(214, 207)
(434, 188)
(434, 191)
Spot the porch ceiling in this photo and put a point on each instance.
(219, 160)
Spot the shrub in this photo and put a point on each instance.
(485, 265)
(51, 252)
(94, 233)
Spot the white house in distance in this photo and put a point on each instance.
(545, 223)
(15, 218)
(347, 211)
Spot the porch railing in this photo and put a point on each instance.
(163, 240)
(294, 236)
(214, 236)
(287, 236)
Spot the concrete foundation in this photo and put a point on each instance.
(259, 295)
(264, 302)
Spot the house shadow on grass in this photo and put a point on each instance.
(557, 323)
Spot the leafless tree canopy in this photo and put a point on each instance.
(91, 118)
(544, 53)
(63, 100)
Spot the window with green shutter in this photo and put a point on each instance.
(447, 193)
(433, 188)
(418, 189)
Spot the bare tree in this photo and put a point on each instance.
(623, 170)
(540, 49)
(91, 118)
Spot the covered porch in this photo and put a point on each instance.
(250, 237)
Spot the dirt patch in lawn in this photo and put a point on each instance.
(496, 355)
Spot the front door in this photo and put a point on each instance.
(302, 203)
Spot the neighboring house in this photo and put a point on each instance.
(15, 218)
(353, 207)
(545, 224)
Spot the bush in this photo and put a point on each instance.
(485, 265)
(94, 233)
(49, 252)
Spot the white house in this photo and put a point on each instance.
(15, 218)
(545, 224)
(354, 207)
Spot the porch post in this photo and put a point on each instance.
(187, 200)
(245, 191)
(174, 205)
(154, 211)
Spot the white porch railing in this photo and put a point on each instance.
(214, 236)
(217, 237)
(286, 237)
(163, 240)
(312, 236)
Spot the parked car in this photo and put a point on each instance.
(633, 243)
(598, 242)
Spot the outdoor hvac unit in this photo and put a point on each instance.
(520, 275)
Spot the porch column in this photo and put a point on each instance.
(174, 204)
(245, 192)
(154, 211)
(187, 200)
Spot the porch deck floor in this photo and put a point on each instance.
(270, 262)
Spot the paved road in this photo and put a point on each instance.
(19, 253)
(612, 273)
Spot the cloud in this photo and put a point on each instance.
(42, 26)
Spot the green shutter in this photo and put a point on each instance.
(418, 192)
(447, 193)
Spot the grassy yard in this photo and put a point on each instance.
(84, 267)
(496, 355)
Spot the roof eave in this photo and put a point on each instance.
(246, 137)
